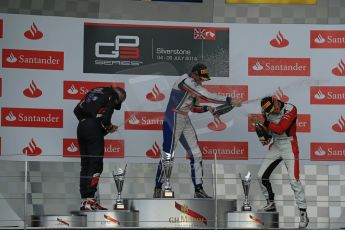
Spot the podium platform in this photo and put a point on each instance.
(165, 213)
(253, 220)
(172, 213)
(111, 218)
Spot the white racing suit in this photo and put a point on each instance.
(284, 148)
(177, 125)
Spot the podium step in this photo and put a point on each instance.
(58, 221)
(253, 220)
(172, 213)
(112, 218)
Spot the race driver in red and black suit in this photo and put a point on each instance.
(177, 126)
(94, 113)
(280, 121)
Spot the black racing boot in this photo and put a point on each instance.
(157, 193)
(200, 192)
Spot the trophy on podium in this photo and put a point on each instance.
(167, 164)
(119, 178)
(246, 185)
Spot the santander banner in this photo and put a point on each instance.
(224, 150)
(322, 151)
(112, 148)
(327, 95)
(76, 90)
(327, 39)
(303, 123)
(269, 66)
(136, 120)
(32, 59)
(233, 91)
(27, 117)
(45, 75)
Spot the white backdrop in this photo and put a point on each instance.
(259, 58)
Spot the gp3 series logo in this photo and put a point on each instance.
(124, 47)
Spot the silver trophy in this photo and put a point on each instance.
(246, 185)
(167, 164)
(119, 178)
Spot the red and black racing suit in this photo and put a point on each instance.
(94, 113)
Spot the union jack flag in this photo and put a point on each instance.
(199, 33)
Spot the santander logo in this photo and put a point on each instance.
(266, 66)
(327, 95)
(32, 149)
(279, 41)
(319, 39)
(33, 33)
(155, 94)
(340, 69)
(11, 58)
(319, 151)
(323, 151)
(135, 120)
(216, 125)
(32, 91)
(29, 117)
(279, 94)
(10, 117)
(76, 90)
(319, 95)
(224, 150)
(32, 59)
(339, 127)
(154, 152)
(72, 148)
(327, 39)
(72, 90)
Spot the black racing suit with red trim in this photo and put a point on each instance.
(177, 126)
(94, 113)
(284, 148)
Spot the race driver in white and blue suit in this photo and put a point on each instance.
(177, 126)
